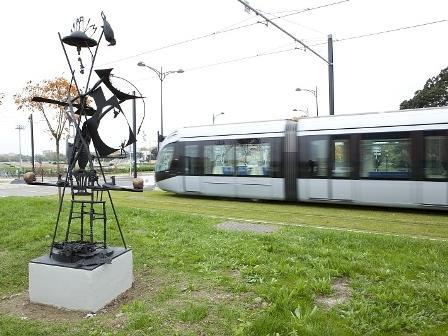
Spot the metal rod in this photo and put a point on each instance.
(104, 225)
(59, 214)
(317, 105)
(93, 60)
(116, 219)
(82, 221)
(70, 66)
(134, 126)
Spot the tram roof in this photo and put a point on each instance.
(377, 121)
(436, 118)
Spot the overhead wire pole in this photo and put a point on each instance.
(330, 52)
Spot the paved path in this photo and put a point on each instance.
(26, 190)
(23, 189)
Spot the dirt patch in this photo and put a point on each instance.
(19, 305)
(340, 293)
(247, 227)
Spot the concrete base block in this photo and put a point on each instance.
(86, 289)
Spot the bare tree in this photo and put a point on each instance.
(54, 115)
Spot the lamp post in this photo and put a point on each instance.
(216, 116)
(305, 112)
(30, 118)
(314, 92)
(162, 75)
(20, 128)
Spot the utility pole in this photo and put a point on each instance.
(20, 128)
(32, 141)
(330, 74)
(330, 55)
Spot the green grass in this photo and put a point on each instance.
(197, 280)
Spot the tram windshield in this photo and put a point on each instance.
(164, 158)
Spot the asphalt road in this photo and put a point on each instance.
(22, 189)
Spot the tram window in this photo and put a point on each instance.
(318, 158)
(341, 158)
(253, 158)
(436, 161)
(219, 159)
(192, 160)
(385, 158)
(164, 158)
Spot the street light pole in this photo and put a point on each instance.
(162, 75)
(20, 128)
(314, 92)
(32, 141)
(216, 116)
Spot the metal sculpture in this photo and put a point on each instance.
(85, 247)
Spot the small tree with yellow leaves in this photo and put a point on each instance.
(54, 115)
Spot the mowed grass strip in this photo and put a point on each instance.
(195, 279)
(394, 221)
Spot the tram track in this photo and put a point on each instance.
(306, 226)
(262, 212)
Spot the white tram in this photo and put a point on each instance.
(395, 159)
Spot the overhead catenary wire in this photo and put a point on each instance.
(243, 58)
(393, 30)
(270, 52)
(223, 31)
(308, 9)
(234, 60)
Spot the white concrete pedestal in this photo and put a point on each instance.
(86, 289)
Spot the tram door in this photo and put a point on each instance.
(192, 168)
(340, 186)
(317, 163)
(328, 168)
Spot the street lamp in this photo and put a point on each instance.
(216, 116)
(162, 75)
(305, 112)
(314, 92)
(30, 118)
(20, 128)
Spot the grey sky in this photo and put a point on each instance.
(371, 74)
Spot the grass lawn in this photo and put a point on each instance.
(192, 278)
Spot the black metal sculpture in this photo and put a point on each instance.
(84, 247)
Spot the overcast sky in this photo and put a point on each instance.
(371, 73)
